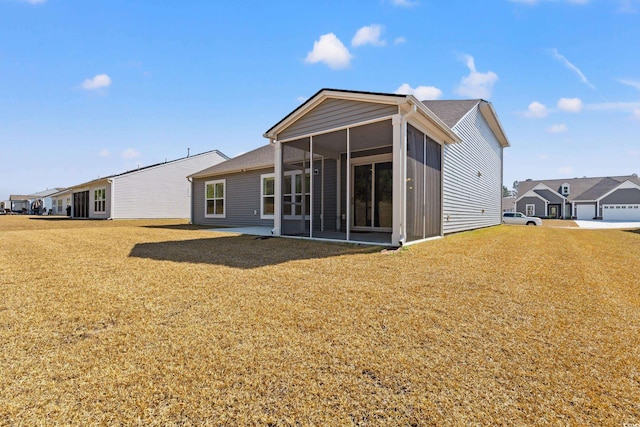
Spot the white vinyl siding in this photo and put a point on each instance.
(472, 176)
(214, 198)
(162, 191)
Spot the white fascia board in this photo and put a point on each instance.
(623, 185)
(491, 117)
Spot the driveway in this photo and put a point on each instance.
(591, 224)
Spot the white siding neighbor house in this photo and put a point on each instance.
(364, 167)
(157, 191)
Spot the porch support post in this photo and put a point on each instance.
(277, 182)
(397, 233)
(348, 207)
(311, 192)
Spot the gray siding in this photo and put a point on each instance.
(472, 201)
(622, 196)
(242, 201)
(334, 113)
(521, 205)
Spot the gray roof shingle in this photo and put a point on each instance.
(451, 111)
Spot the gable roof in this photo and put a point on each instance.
(224, 156)
(445, 132)
(260, 158)
(587, 188)
(38, 195)
(451, 111)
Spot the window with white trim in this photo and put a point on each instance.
(565, 189)
(267, 195)
(214, 194)
(59, 206)
(100, 200)
(530, 210)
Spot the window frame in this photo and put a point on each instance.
(214, 198)
(262, 195)
(533, 210)
(101, 201)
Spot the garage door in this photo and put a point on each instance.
(586, 211)
(621, 212)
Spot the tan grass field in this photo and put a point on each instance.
(159, 323)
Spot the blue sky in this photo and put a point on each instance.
(89, 89)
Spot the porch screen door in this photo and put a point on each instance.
(372, 195)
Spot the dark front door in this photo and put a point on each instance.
(81, 204)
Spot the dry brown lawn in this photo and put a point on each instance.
(159, 323)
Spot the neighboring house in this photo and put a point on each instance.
(508, 204)
(608, 198)
(364, 167)
(61, 201)
(35, 203)
(156, 191)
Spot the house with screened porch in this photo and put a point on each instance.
(363, 167)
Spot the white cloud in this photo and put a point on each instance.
(556, 55)
(476, 84)
(99, 81)
(423, 93)
(399, 40)
(130, 153)
(565, 170)
(301, 99)
(636, 114)
(104, 153)
(570, 105)
(561, 128)
(536, 110)
(404, 3)
(634, 153)
(330, 50)
(633, 83)
(34, 1)
(543, 156)
(369, 35)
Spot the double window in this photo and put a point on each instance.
(294, 191)
(100, 200)
(530, 210)
(214, 199)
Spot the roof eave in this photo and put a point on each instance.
(491, 117)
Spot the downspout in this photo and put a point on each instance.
(111, 208)
(191, 201)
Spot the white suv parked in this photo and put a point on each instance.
(520, 218)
